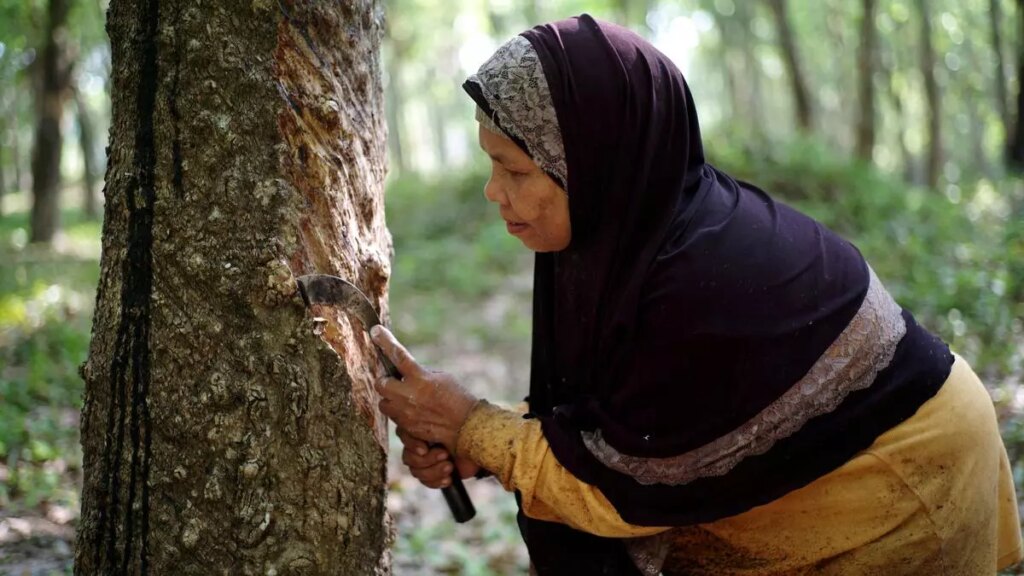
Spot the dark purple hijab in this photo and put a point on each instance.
(687, 302)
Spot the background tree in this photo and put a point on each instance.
(995, 21)
(218, 430)
(54, 73)
(933, 163)
(866, 71)
(794, 69)
(1015, 159)
(87, 141)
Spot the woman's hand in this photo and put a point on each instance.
(427, 405)
(432, 466)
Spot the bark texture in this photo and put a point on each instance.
(55, 75)
(221, 434)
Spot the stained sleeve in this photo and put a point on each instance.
(515, 450)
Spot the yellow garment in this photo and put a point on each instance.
(933, 495)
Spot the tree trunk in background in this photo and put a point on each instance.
(1015, 149)
(743, 68)
(16, 144)
(219, 433)
(532, 12)
(393, 109)
(3, 179)
(437, 114)
(4, 152)
(976, 129)
(866, 93)
(46, 153)
(933, 167)
(633, 13)
(837, 35)
(87, 141)
(995, 14)
(787, 44)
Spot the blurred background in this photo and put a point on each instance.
(895, 122)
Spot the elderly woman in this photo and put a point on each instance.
(719, 384)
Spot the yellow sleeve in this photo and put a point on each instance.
(515, 450)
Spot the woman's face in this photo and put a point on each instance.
(534, 207)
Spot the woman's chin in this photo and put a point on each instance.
(541, 245)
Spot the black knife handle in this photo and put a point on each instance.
(458, 499)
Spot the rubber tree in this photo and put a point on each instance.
(223, 430)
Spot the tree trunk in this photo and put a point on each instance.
(395, 105)
(633, 13)
(87, 141)
(16, 143)
(220, 434)
(532, 12)
(906, 157)
(4, 127)
(787, 44)
(45, 218)
(1015, 149)
(3, 180)
(742, 68)
(866, 68)
(934, 158)
(995, 15)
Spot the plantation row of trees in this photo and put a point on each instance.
(926, 88)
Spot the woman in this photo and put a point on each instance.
(719, 384)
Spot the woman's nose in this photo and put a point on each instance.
(493, 192)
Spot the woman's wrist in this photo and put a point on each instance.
(456, 448)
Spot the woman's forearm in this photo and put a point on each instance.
(515, 450)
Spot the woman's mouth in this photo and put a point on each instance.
(515, 228)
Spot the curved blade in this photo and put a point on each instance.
(328, 290)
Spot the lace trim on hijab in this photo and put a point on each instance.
(851, 363)
(513, 83)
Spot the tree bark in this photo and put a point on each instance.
(220, 433)
(87, 141)
(46, 154)
(1015, 149)
(798, 85)
(933, 166)
(866, 68)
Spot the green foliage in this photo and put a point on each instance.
(45, 305)
(451, 247)
(946, 257)
(444, 548)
